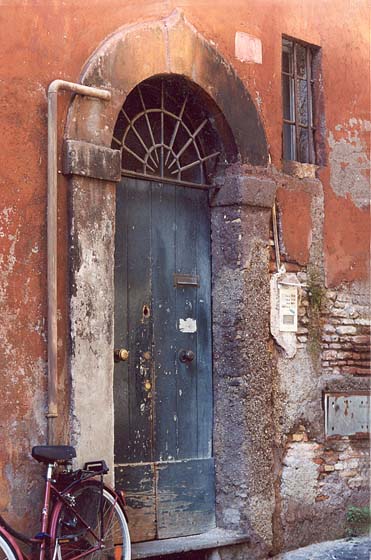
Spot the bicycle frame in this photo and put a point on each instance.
(11, 540)
(49, 518)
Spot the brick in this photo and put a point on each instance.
(339, 304)
(297, 437)
(331, 294)
(346, 330)
(339, 313)
(329, 355)
(361, 339)
(302, 338)
(322, 497)
(356, 370)
(329, 328)
(330, 338)
(348, 474)
(345, 355)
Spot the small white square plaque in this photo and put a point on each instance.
(288, 308)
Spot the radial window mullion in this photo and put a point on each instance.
(160, 134)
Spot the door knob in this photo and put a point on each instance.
(121, 355)
(186, 356)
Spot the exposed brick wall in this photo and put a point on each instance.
(320, 478)
(346, 332)
(319, 482)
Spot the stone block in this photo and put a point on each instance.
(245, 190)
(90, 160)
(346, 329)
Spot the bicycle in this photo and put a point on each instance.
(81, 516)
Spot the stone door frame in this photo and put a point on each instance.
(240, 217)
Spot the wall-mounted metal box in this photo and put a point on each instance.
(347, 414)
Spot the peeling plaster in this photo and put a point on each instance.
(349, 161)
(299, 479)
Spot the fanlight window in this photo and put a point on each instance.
(165, 133)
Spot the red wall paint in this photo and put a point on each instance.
(296, 223)
(47, 40)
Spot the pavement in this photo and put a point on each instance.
(356, 548)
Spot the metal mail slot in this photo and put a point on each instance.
(347, 414)
(183, 280)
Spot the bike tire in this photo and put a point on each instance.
(7, 550)
(70, 534)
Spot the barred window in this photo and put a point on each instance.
(298, 85)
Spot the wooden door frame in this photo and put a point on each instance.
(240, 219)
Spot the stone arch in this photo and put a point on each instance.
(172, 46)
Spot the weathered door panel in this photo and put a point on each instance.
(164, 321)
(133, 325)
(138, 482)
(163, 264)
(185, 498)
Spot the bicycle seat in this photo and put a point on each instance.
(53, 453)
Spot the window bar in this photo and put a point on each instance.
(296, 156)
(144, 162)
(178, 121)
(192, 138)
(310, 106)
(132, 126)
(147, 121)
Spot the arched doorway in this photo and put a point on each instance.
(163, 329)
(240, 216)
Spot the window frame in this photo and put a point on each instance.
(310, 79)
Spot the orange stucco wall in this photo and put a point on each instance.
(43, 40)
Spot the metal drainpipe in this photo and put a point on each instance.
(54, 88)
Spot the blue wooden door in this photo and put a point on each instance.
(163, 390)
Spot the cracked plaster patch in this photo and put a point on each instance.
(349, 161)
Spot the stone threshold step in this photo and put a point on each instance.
(215, 538)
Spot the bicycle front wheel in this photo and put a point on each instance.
(7, 551)
(92, 526)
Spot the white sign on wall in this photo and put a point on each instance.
(288, 308)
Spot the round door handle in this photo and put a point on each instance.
(186, 356)
(121, 355)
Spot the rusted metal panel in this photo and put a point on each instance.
(90, 160)
(347, 414)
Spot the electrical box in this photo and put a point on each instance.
(347, 414)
